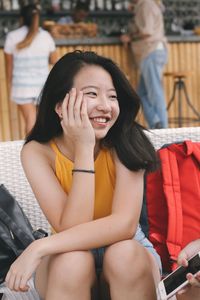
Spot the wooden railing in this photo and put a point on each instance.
(182, 57)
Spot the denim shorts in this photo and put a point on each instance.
(139, 237)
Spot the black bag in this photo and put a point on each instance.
(16, 232)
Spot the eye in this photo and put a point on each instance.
(92, 94)
(113, 97)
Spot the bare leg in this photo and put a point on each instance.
(67, 276)
(131, 271)
(29, 114)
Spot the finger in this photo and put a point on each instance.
(192, 279)
(84, 114)
(7, 277)
(71, 103)
(183, 290)
(24, 289)
(64, 114)
(23, 284)
(182, 260)
(10, 283)
(77, 107)
(17, 283)
(10, 279)
(198, 276)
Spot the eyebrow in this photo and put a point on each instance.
(93, 86)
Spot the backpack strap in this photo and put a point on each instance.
(171, 187)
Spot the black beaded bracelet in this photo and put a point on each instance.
(83, 171)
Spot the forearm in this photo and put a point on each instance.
(139, 36)
(89, 235)
(9, 70)
(79, 207)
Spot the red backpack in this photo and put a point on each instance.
(173, 201)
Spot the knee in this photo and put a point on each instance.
(125, 261)
(72, 269)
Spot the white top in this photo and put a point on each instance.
(30, 64)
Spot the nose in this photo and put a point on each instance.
(104, 104)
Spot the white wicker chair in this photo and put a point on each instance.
(12, 176)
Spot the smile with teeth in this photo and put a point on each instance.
(100, 120)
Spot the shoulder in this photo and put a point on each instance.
(37, 152)
(15, 36)
(122, 170)
(147, 5)
(45, 33)
(46, 39)
(17, 32)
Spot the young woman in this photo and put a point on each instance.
(85, 160)
(28, 51)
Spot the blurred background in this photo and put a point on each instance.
(100, 31)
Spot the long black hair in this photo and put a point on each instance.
(30, 18)
(126, 136)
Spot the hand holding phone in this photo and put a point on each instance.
(177, 280)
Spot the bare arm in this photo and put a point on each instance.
(120, 225)
(9, 70)
(53, 57)
(64, 211)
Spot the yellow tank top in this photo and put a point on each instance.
(104, 178)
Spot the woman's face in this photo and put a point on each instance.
(101, 97)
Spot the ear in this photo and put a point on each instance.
(58, 109)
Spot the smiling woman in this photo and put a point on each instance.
(85, 160)
(100, 95)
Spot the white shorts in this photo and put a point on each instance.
(21, 101)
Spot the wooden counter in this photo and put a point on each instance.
(183, 56)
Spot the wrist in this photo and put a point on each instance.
(90, 171)
(40, 246)
(84, 146)
(84, 154)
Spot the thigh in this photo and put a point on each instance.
(41, 277)
(141, 238)
(77, 264)
(27, 110)
(130, 259)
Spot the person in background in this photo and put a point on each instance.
(85, 160)
(79, 14)
(149, 47)
(193, 290)
(28, 52)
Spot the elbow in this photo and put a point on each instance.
(62, 226)
(129, 228)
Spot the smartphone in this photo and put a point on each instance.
(176, 280)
